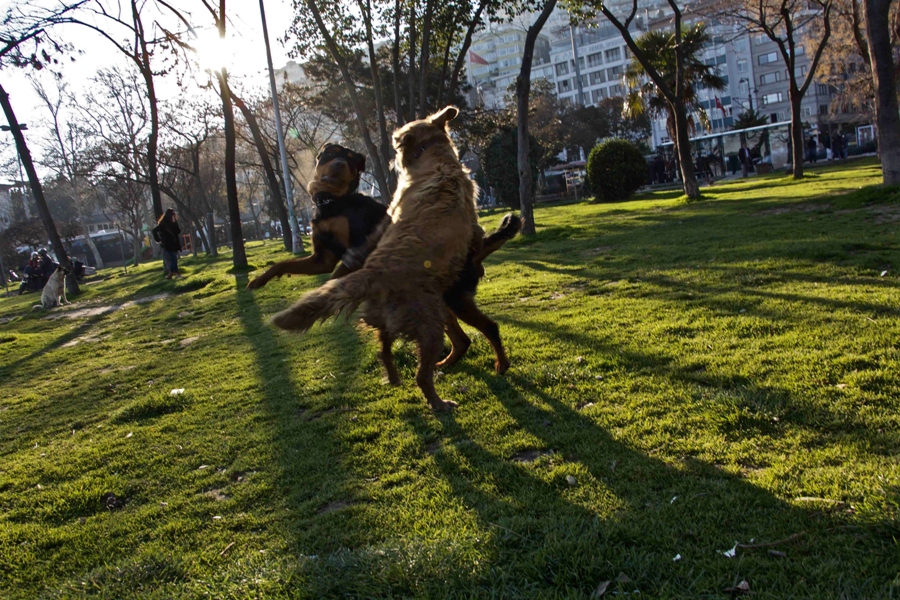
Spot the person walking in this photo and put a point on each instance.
(744, 157)
(168, 234)
(811, 149)
(837, 146)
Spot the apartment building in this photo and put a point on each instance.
(495, 59)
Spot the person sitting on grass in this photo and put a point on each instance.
(168, 234)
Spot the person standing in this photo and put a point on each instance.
(811, 149)
(837, 146)
(168, 234)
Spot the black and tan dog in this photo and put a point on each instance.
(347, 226)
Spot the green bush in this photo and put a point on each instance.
(616, 169)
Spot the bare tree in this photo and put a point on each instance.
(523, 92)
(881, 53)
(26, 40)
(67, 154)
(150, 47)
(788, 23)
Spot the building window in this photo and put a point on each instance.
(765, 59)
(599, 95)
(580, 63)
(740, 45)
(612, 73)
(823, 109)
(772, 98)
(761, 38)
(562, 68)
(743, 87)
(806, 111)
(822, 89)
(598, 77)
(616, 90)
(742, 66)
(769, 78)
(613, 54)
(773, 118)
(565, 86)
(594, 60)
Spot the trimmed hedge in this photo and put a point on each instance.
(616, 169)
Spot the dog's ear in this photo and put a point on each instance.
(445, 115)
(357, 162)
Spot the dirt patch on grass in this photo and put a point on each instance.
(529, 456)
(97, 311)
(885, 214)
(796, 209)
(333, 506)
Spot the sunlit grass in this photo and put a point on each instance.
(709, 373)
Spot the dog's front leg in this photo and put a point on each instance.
(316, 264)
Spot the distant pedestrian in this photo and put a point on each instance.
(168, 234)
(845, 143)
(811, 149)
(744, 157)
(47, 265)
(837, 146)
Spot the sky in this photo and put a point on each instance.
(247, 58)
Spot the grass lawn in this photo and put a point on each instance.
(689, 382)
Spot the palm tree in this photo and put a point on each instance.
(644, 96)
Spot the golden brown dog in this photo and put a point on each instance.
(418, 258)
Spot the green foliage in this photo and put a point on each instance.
(500, 165)
(616, 169)
(154, 405)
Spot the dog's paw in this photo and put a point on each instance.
(257, 283)
(439, 405)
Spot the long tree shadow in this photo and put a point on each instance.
(303, 422)
(749, 405)
(552, 540)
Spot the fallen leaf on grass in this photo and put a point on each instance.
(777, 553)
(601, 589)
(730, 553)
(742, 588)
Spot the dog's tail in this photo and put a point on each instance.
(336, 297)
(508, 229)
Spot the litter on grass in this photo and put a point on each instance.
(176, 392)
(730, 553)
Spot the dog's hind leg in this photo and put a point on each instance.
(459, 341)
(430, 342)
(387, 357)
(471, 315)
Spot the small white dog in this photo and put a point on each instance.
(54, 293)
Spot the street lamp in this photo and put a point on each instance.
(749, 91)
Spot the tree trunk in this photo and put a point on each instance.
(411, 115)
(136, 245)
(425, 59)
(143, 64)
(380, 175)
(239, 256)
(797, 135)
(395, 61)
(887, 116)
(271, 177)
(461, 57)
(211, 243)
(37, 191)
(683, 145)
(387, 151)
(523, 91)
